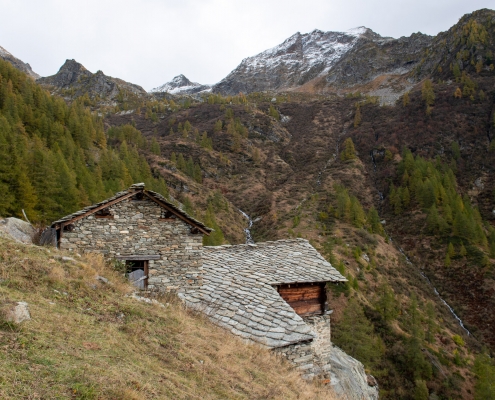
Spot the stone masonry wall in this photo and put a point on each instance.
(136, 229)
(312, 358)
(302, 356)
(321, 345)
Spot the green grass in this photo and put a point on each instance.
(87, 340)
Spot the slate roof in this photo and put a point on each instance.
(133, 189)
(238, 292)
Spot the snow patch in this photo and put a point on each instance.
(4, 53)
(181, 85)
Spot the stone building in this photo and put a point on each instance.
(159, 243)
(274, 294)
(271, 293)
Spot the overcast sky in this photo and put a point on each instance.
(148, 42)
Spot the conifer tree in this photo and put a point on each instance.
(218, 126)
(354, 334)
(427, 92)
(386, 304)
(216, 237)
(181, 163)
(447, 261)
(451, 250)
(187, 126)
(421, 390)
(155, 147)
(349, 152)
(273, 112)
(374, 221)
(229, 113)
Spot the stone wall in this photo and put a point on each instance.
(321, 345)
(312, 358)
(136, 229)
(302, 356)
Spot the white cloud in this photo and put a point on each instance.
(150, 41)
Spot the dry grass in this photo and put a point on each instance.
(92, 342)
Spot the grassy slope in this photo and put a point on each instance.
(87, 340)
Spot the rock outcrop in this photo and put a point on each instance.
(74, 80)
(14, 311)
(17, 229)
(20, 65)
(181, 85)
(348, 378)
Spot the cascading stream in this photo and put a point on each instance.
(461, 324)
(247, 231)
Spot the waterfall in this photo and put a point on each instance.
(247, 231)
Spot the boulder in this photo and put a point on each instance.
(16, 312)
(18, 229)
(348, 378)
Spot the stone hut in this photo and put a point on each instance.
(271, 293)
(159, 243)
(274, 294)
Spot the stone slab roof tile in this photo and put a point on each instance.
(242, 278)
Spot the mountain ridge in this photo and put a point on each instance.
(17, 63)
(74, 77)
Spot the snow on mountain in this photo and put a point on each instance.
(297, 60)
(20, 65)
(4, 53)
(181, 85)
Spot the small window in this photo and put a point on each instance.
(69, 227)
(139, 196)
(105, 213)
(166, 215)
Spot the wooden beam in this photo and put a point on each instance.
(139, 257)
(92, 211)
(167, 207)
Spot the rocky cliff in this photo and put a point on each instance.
(349, 380)
(74, 80)
(20, 65)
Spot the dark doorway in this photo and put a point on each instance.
(137, 272)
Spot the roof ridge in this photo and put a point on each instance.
(137, 187)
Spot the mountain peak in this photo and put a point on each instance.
(297, 60)
(181, 85)
(73, 74)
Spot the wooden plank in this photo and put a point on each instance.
(305, 298)
(168, 208)
(300, 293)
(139, 257)
(306, 308)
